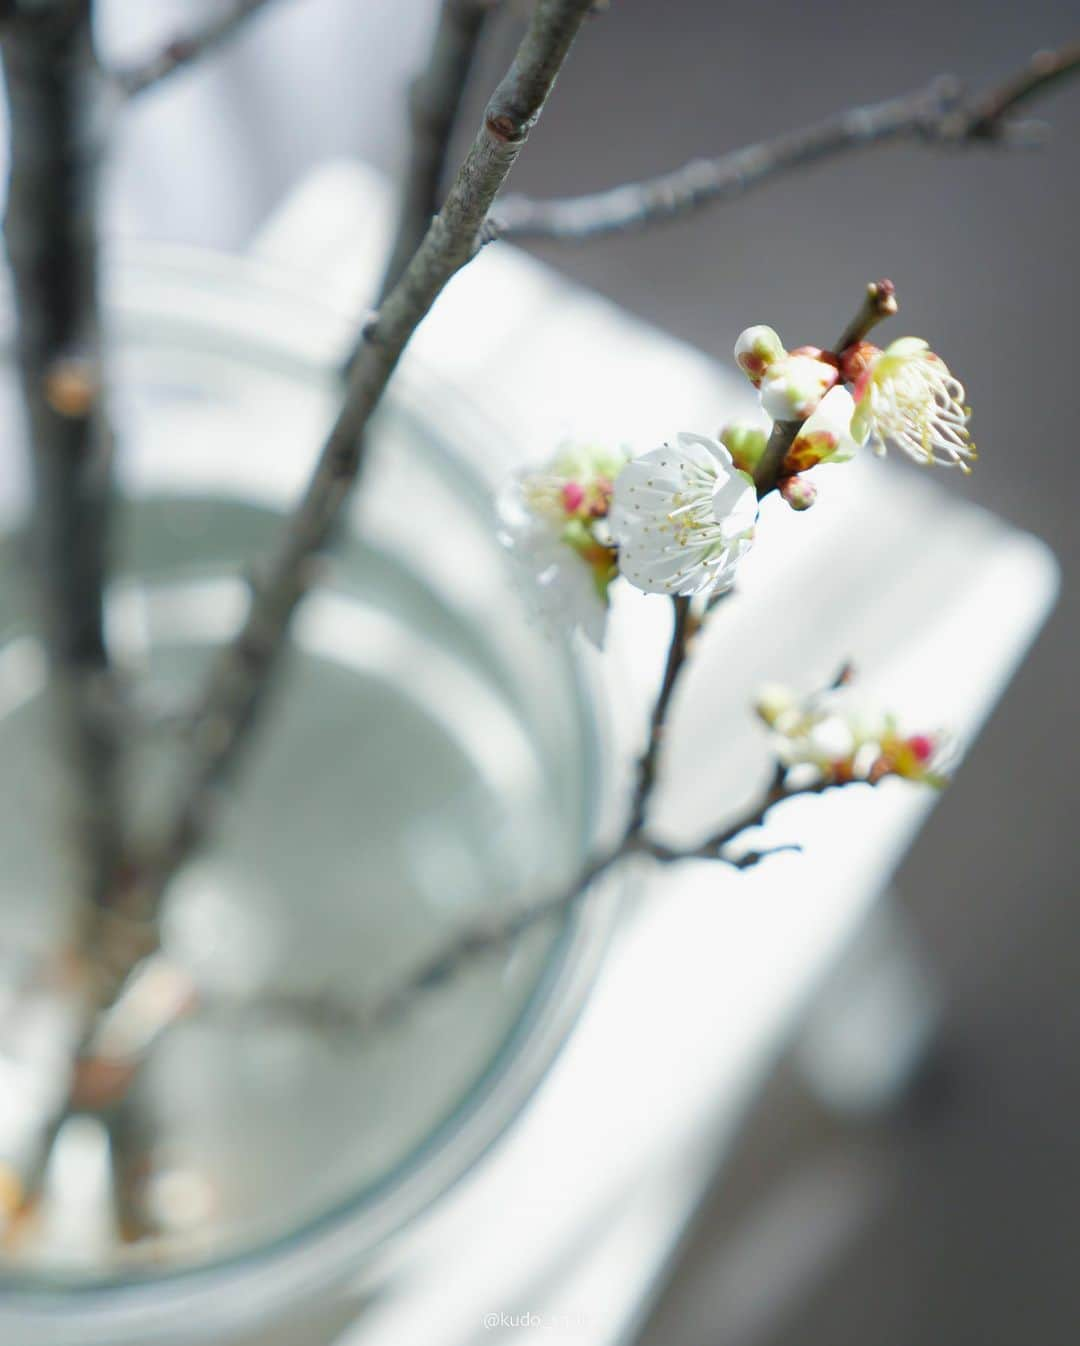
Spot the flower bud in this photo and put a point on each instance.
(757, 349)
(825, 437)
(746, 442)
(857, 360)
(793, 387)
(799, 493)
(773, 702)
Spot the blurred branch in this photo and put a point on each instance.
(434, 103)
(51, 244)
(713, 846)
(182, 51)
(938, 114)
(327, 1012)
(987, 117)
(241, 673)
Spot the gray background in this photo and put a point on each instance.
(955, 1222)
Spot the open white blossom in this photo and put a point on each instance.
(683, 517)
(908, 400)
(554, 521)
(561, 584)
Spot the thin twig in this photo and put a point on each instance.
(878, 303)
(434, 103)
(330, 1014)
(182, 51)
(714, 845)
(52, 250)
(683, 629)
(987, 117)
(937, 114)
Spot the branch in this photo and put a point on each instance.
(329, 1014)
(687, 624)
(713, 846)
(52, 251)
(241, 673)
(434, 103)
(937, 114)
(987, 117)
(685, 627)
(182, 51)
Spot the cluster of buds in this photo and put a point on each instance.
(902, 397)
(839, 742)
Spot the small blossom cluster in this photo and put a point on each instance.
(903, 397)
(678, 519)
(839, 742)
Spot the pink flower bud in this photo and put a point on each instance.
(756, 350)
(799, 493)
(922, 745)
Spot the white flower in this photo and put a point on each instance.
(793, 387)
(908, 400)
(825, 436)
(561, 583)
(841, 740)
(683, 516)
(554, 520)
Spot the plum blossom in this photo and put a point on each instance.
(554, 521)
(840, 741)
(683, 517)
(907, 399)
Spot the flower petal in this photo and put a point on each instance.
(681, 516)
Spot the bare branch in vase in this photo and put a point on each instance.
(52, 251)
